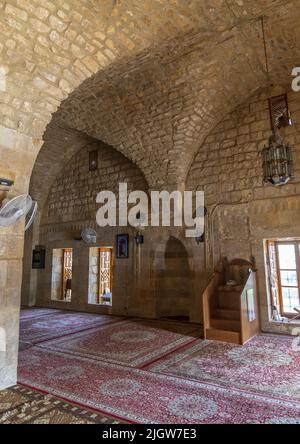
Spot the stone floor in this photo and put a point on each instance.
(21, 405)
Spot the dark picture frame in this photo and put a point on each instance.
(122, 250)
(38, 258)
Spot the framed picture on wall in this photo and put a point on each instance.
(122, 246)
(38, 258)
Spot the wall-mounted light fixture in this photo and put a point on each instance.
(6, 182)
(200, 239)
(7, 179)
(139, 238)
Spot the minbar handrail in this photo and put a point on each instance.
(209, 291)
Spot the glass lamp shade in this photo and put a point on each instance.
(277, 161)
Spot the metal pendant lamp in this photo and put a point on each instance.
(277, 155)
(277, 161)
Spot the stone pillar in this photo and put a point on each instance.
(11, 249)
(17, 155)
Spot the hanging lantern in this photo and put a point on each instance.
(277, 161)
(277, 157)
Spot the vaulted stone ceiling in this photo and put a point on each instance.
(60, 144)
(169, 71)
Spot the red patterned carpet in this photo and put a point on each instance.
(130, 343)
(41, 328)
(161, 372)
(267, 364)
(146, 397)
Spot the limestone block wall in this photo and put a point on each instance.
(242, 211)
(73, 193)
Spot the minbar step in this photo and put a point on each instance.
(215, 334)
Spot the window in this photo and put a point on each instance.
(67, 274)
(105, 276)
(100, 276)
(62, 263)
(284, 266)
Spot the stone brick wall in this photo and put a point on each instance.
(228, 165)
(73, 193)
(242, 211)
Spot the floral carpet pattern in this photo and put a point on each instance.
(142, 396)
(42, 328)
(153, 372)
(20, 405)
(129, 343)
(267, 364)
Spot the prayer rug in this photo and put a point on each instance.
(133, 343)
(48, 327)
